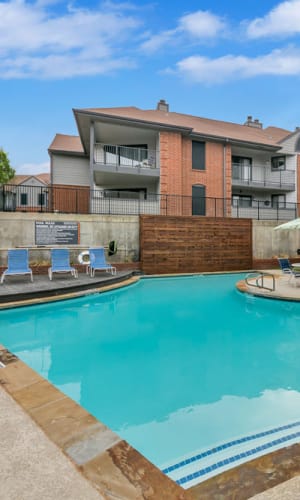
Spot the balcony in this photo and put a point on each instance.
(113, 158)
(262, 177)
(264, 210)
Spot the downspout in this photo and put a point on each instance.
(50, 188)
(92, 141)
(224, 178)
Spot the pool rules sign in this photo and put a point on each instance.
(56, 233)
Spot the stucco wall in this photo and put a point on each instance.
(18, 229)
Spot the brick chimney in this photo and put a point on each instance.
(162, 105)
(253, 123)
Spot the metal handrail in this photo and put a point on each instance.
(126, 156)
(259, 280)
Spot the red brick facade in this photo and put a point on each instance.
(177, 176)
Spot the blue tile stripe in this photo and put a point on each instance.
(235, 458)
(222, 447)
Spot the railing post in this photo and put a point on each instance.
(258, 210)
(41, 199)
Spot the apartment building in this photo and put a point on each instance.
(197, 166)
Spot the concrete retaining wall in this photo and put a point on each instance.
(17, 229)
(268, 243)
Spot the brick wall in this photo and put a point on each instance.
(177, 176)
(194, 244)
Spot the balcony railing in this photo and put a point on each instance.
(66, 200)
(259, 176)
(124, 156)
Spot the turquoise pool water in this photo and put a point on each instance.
(174, 366)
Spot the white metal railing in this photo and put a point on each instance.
(124, 156)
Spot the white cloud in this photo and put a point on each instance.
(33, 168)
(36, 42)
(197, 26)
(200, 69)
(283, 20)
(155, 42)
(202, 24)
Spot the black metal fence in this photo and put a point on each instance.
(56, 199)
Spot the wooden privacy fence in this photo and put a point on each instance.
(194, 244)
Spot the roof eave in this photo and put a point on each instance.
(121, 120)
(239, 142)
(66, 152)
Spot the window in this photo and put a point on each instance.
(198, 155)
(41, 199)
(241, 168)
(198, 200)
(278, 163)
(242, 201)
(278, 201)
(23, 198)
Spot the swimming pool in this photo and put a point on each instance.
(195, 375)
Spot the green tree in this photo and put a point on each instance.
(6, 171)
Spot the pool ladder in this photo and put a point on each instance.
(258, 280)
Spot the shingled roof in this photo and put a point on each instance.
(193, 125)
(201, 126)
(21, 179)
(67, 143)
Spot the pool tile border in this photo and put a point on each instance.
(252, 477)
(229, 444)
(237, 458)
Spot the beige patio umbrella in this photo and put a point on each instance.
(291, 225)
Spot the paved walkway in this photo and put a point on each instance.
(32, 467)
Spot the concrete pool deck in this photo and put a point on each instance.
(43, 434)
(285, 288)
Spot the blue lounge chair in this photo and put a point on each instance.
(17, 262)
(287, 268)
(98, 262)
(60, 263)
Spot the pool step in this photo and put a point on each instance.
(199, 466)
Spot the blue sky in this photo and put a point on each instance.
(217, 59)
